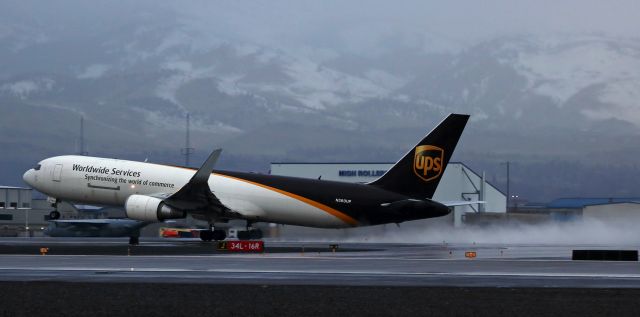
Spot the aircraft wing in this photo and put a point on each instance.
(196, 196)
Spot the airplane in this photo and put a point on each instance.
(154, 192)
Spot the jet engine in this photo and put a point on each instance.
(147, 208)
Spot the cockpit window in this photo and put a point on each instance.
(37, 168)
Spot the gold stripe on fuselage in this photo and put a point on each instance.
(340, 215)
(325, 208)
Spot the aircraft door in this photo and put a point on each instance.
(57, 173)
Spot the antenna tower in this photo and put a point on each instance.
(81, 149)
(187, 150)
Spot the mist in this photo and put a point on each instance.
(588, 232)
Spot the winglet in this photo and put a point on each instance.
(462, 203)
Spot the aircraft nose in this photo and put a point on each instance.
(29, 177)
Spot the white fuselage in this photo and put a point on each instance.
(105, 181)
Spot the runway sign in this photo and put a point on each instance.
(242, 246)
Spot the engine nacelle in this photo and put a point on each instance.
(147, 208)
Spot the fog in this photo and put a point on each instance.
(578, 232)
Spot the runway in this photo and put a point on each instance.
(310, 263)
(188, 277)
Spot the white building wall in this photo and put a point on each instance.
(15, 197)
(615, 212)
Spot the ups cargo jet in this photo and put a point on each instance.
(154, 192)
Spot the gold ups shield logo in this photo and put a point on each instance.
(427, 162)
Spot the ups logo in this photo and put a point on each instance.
(427, 162)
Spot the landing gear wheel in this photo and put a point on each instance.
(206, 235)
(253, 234)
(219, 235)
(134, 240)
(54, 215)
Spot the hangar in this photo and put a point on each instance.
(15, 197)
(459, 182)
(615, 212)
(18, 215)
(567, 209)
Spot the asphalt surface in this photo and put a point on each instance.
(166, 299)
(309, 263)
(355, 278)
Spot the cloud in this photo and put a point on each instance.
(94, 71)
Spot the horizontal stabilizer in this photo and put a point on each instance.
(462, 203)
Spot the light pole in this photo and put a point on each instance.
(26, 222)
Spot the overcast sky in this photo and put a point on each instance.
(341, 24)
(463, 22)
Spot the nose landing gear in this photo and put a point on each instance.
(55, 214)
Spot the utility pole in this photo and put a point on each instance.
(81, 150)
(187, 150)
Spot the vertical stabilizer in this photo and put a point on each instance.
(418, 173)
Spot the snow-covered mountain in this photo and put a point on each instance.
(155, 75)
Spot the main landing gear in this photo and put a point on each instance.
(220, 234)
(251, 234)
(211, 234)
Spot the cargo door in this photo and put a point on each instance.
(57, 173)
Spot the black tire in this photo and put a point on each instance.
(255, 234)
(206, 235)
(243, 235)
(219, 235)
(54, 215)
